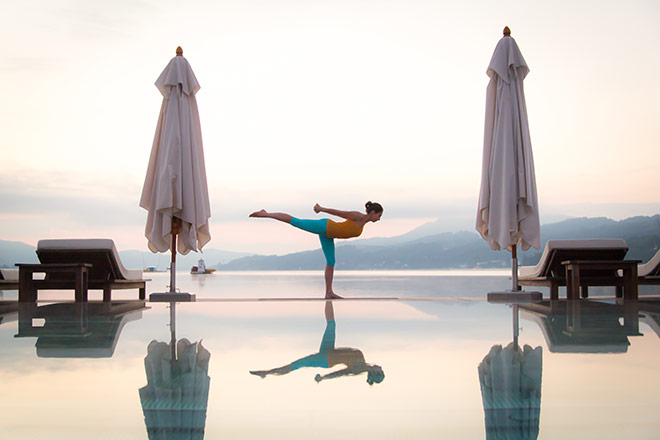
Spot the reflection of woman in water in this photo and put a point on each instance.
(328, 230)
(329, 356)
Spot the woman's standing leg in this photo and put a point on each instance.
(328, 246)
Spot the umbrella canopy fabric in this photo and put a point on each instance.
(510, 381)
(175, 184)
(508, 212)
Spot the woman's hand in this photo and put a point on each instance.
(317, 208)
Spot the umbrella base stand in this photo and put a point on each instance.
(513, 297)
(172, 296)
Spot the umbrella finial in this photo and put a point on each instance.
(179, 51)
(507, 31)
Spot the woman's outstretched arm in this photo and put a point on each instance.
(348, 371)
(349, 215)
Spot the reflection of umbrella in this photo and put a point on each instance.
(510, 381)
(508, 207)
(175, 192)
(175, 399)
(176, 396)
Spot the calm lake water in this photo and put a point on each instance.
(447, 365)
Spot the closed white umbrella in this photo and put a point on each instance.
(508, 212)
(175, 191)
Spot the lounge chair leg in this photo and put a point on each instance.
(572, 282)
(26, 291)
(630, 283)
(106, 293)
(585, 291)
(142, 293)
(554, 291)
(81, 284)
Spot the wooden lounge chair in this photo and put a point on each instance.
(78, 264)
(8, 279)
(649, 273)
(552, 268)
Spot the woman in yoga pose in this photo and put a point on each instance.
(330, 356)
(328, 230)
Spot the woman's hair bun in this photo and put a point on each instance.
(373, 206)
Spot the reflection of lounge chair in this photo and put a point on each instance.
(649, 313)
(584, 326)
(550, 272)
(76, 330)
(8, 311)
(8, 279)
(80, 265)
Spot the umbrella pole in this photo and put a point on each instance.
(172, 294)
(173, 331)
(176, 228)
(516, 326)
(514, 268)
(173, 265)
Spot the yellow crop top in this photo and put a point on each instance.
(345, 229)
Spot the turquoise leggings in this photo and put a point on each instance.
(320, 359)
(318, 227)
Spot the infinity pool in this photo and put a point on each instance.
(307, 368)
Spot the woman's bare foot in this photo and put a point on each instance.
(261, 213)
(333, 295)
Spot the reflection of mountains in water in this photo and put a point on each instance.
(76, 330)
(175, 399)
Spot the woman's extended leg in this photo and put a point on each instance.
(286, 218)
(319, 227)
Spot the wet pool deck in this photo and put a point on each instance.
(429, 351)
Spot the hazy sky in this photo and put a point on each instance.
(336, 102)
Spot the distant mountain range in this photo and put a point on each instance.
(417, 249)
(459, 249)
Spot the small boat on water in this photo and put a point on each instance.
(201, 268)
(151, 269)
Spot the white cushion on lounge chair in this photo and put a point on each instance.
(9, 274)
(91, 244)
(651, 268)
(567, 245)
